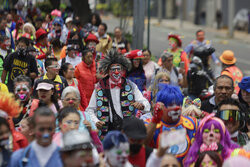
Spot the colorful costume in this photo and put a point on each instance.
(188, 123)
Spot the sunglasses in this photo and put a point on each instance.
(229, 115)
(54, 66)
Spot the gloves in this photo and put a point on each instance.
(157, 113)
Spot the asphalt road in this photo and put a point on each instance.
(158, 42)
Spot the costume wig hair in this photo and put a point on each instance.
(113, 139)
(169, 95)
(225, 140)
(114, 57)
(9, 105)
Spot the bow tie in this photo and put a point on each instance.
(211, 147)
(116, 84)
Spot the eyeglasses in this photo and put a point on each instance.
(54, 66)
(229, 115)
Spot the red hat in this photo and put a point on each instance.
(177, 37)
(134, 54)
(40, 32)
(91, 37)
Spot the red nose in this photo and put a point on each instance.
(71, 102)
(116, 72)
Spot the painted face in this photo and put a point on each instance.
(116, 72)
(208, 162)
(71, 100)
(92, 46)
(44, 130)
(118, 156)
(172, 113)
(22, 91)
(70, 122)
(211, 135)
(172, 43)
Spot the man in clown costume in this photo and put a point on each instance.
(167, 117)
(114, 96)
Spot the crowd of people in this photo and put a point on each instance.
(71, 95)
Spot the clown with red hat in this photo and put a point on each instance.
(137, 74)
(179, 55)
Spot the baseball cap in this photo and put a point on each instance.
(69, 19)
(134, 54)
(44, 86)
(134, 128)
(74, 140)
(245, 84)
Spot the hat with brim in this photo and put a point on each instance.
(245, 84)
(134, 128)
(44, 86)
(228, 58)
(179, 42)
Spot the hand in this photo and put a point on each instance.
(101, 160)
(87, 124)
(157, 112)
(182, 71)
(25, 71)
(99, 124)
(138, 105)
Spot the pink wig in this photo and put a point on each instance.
(225, 141)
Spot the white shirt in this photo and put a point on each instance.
(73, 61)
(115, 94)
(43, 154)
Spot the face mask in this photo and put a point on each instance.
(135, 148)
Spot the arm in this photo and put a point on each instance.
(150, 132)
(92, 107)
(139, 98)
(214, 58)
(3, 77)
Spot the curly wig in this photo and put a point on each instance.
(114, 57)
(9, 104)
(170, 95)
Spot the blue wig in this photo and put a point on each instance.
(170, 95)
(113, 139)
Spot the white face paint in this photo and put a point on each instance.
(118, 156)
(22, 92)
(174, 114)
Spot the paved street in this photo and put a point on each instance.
(159, 32)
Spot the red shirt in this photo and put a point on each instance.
(138, 159)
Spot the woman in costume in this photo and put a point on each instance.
(211, 135)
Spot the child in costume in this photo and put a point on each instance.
(211, 135)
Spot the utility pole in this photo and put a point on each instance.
(138, 24)
(148, 40)
(159, 11)
(231, 12)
